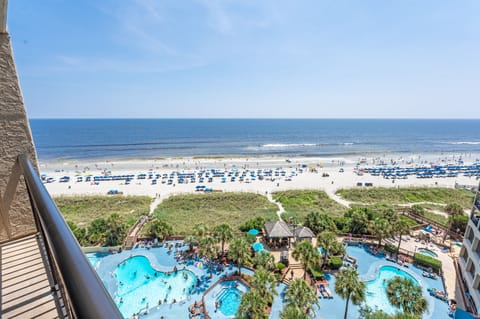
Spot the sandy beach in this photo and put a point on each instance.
(328, 174)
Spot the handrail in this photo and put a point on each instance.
(88, 296)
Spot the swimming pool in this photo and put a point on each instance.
(95, 258)
(229, 301)
(141, 287)
(223, 300)
(376, 296)
(427, 252)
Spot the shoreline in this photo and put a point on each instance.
(318, 173)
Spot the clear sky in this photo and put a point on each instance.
(248, 58)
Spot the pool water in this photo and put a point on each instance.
(141, 287)
(427, 252)
(95, 258)
(376, 295)
(229, 300)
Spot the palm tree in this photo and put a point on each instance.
(200, 230)
(264, 282)
(209, 249)
(405, 294)
(350, 287)
(307, 255)
(300, 294)
(252, 306)
(239, 252)
(265, 260)
(159, 228)
(327, 241)
(381, 228)
(190, 240)
(116, 230)
(453, 210)
(293, 312)
(223, 233)
(401, 227)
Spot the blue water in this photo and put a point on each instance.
(229, 301)
(427, 252)
(141, 287)
(376, 296)
(157, 138)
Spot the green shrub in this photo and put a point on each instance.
(280, 266)
(316, 273)
(250, 238)
(391, 249)
(334, 262)
(427, 261)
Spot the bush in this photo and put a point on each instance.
(250, 238)
(280, 266)
(427, 261)
(316, 273)
(391, 249)
(334, 262)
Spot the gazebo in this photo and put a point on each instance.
(304, 233)
(278, 234)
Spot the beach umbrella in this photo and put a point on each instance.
(253, 232)
(257, 247)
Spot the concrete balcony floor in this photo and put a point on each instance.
(24, 284)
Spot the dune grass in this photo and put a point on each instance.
(384, 195)
(184, 211)
(301, 202)
(81, 210)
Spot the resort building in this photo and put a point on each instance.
(469, 261)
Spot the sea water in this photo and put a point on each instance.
(58, 139)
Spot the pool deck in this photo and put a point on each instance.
(448, 267)
(375, 269)
(162, 259)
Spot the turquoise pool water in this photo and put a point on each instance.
(229, 300)
(427, 252)
(95, 258)
(376, 296)
(141, 287)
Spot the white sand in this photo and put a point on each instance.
(305, 180)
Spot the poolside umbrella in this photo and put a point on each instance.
(257, 247)
(253, 232)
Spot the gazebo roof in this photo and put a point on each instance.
(278, 229)
(304, 232)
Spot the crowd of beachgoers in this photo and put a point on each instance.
(260, 175)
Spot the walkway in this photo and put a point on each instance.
(132, 235)
(280, 210)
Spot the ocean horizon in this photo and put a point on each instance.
(82, 139)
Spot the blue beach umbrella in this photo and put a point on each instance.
(253, 232)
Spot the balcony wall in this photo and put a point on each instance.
(16, 219)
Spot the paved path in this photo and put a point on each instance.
(280, 210)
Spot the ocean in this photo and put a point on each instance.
(60, 139)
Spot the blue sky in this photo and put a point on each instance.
(248, 58)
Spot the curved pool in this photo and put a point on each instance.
(140, 286)
(427, 252)
(376, 295)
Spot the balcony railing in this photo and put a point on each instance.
(81, 290)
